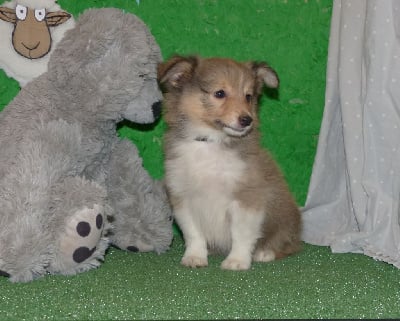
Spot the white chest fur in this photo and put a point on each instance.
(204, 177)
(202, 167)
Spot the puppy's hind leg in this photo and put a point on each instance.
(281, 234)
(245, 230)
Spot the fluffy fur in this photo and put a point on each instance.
(63, 169)
(227, 193)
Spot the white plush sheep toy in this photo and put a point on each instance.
(30, 30)
(68, 185)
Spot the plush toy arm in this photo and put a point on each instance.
(142, 219)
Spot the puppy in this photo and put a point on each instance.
(228, 195)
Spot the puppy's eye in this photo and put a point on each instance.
(220, 94)
(249, 98)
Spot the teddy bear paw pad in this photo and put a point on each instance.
(82, 235)
(2, 273)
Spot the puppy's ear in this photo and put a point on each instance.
(264, 74)
(176, 71)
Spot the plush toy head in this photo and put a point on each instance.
(31, 28)
(97, 63)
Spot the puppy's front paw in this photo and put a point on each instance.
(194, 261)
(235, 264)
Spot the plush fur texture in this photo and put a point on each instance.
(63, 170)
(227, 193)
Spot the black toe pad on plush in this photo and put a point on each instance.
(132, 249)
(82, 253)
(99, 221)
(83, 229)
(2, 273)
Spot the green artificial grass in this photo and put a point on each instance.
(292, 36)
(313, 284)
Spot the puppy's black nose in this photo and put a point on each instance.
(245, 121)
(156, 107)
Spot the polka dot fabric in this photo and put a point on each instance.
(353, 198)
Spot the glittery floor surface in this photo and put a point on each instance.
(293, 37)
(313, 284)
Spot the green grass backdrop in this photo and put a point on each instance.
(292, 35)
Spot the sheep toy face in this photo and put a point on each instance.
(31, 36)
(30, 30)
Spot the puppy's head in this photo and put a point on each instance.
(216, 93)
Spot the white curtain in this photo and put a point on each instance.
(353, 198)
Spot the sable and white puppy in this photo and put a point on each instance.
(228, 195)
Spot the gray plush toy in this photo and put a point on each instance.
(63, 170)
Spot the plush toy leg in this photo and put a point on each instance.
(39, 207)
(26, 241)
(82, 225)
(142, 216)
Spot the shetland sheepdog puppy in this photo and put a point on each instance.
(227, 193)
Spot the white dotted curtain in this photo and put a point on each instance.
(353, 197)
